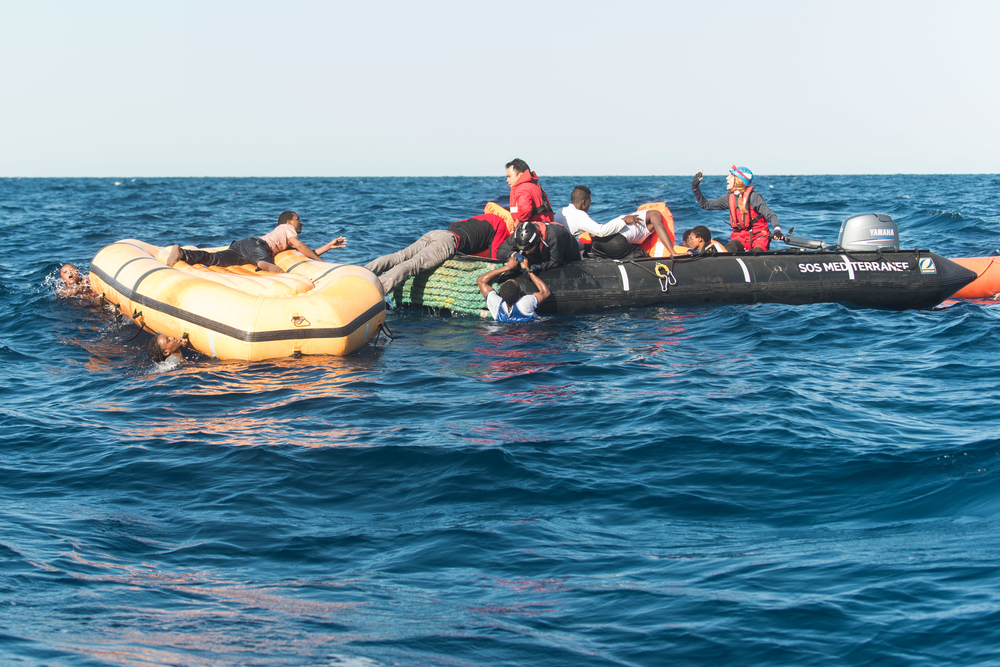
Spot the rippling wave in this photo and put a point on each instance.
(760, 484)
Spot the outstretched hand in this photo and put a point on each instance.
(697, 178)
(338, 242)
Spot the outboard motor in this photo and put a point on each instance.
(869, 231)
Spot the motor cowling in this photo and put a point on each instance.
(869, 231)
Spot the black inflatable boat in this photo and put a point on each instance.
(895, 279)
(865, 268)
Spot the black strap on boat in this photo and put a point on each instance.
(382, 328)
(670, 266)
(635, 263)
(118, 318)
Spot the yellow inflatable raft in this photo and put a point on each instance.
(237, 313)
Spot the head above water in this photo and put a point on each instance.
(162, 346)
(510, 292)
(70, 274)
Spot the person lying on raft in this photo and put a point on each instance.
(73, 283)
(545, 245)
(748, 214)
(162, 347)
(511, 304)
(468, 237)
(700, 241)
(636, 228)
(257, 250)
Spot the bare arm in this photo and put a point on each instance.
(485, 281)
(338, 242)
(543, 292)
(303, 248)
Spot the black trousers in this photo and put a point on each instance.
(244, 251)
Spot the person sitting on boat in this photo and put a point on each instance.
(476, 235)
(748, 214)
(161, 347)
(700, 241)
(545, 245)
(528, 202)
(511, 304)
(257, 250)
(73, 284)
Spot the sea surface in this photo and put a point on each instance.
(689, 485)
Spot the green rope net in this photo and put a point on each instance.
(451, 286)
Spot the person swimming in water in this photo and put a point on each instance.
(73, 284)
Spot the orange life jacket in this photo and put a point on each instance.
(650, 242)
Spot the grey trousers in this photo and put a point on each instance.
(428, 252)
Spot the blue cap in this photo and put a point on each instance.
(742, 173)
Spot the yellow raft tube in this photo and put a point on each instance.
(237, 313)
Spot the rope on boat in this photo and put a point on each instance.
(451, 286)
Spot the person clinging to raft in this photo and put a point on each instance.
(748, 214)
(162, 347)
(73, 284)
(511, 304)
(257, 250)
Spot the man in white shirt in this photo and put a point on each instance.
(577, 220)
(615, 239)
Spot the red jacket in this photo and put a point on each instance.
(500, 231)
(528, 202)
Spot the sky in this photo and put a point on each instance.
(300, 88)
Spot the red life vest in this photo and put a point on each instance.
(541, 210)
(743, 221)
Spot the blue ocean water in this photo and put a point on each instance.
(745, 485)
